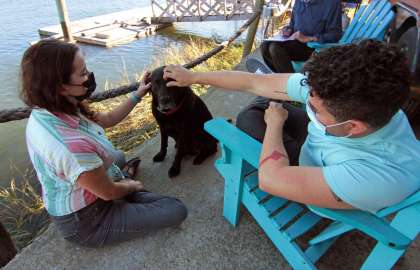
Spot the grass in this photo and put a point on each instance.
(21, 209)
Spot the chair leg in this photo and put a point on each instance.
(234, 181)
(384, 257)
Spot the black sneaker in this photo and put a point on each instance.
(256, 66)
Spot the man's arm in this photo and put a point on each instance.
(301, 184)
(267, 85)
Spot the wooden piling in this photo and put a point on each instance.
(250, 36)
(64, 20)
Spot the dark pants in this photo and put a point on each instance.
(279, 55)
(108, 222)
(251, 121)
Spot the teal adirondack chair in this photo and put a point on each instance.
(284, 221)
(370, 22)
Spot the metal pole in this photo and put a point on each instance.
(250, 36)
(64, 20)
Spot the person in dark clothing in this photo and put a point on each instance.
(312, 20)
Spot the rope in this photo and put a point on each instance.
(24, 112)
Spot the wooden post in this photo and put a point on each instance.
(250, 36)
(64, 20)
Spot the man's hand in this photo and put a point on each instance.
(143, 87)
(302, 38)
(275, 114)
(181, 76)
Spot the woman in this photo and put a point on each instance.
(83, 189)
(358, 150)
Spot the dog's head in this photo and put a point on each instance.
(165, 99)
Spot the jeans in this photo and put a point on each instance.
(108, 222)
(279, 55)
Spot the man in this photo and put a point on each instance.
(359, 152)
(312, 20)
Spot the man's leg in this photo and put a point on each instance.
(251, 121)
(279, 55)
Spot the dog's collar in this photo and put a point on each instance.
(174, 110)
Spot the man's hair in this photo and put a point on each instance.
(368, 81)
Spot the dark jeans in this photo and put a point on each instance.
(251, 121)
(108, 222)
(279, 55)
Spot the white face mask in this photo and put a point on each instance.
(319, 125)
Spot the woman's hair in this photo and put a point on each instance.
(45, 67)
(368, 81)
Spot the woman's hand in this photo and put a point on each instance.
(275, 114)
(286, 31)
(302, 38)
(181, 76)
(143, 87)
(133, 184)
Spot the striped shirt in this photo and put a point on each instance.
(61, 147)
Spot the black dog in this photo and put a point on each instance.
(181, 115)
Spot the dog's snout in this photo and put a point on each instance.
(165, 99)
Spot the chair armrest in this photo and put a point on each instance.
(318, 46)
(368, 223)
(236, 140)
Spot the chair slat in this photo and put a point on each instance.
(303, 224)
(372, 18)
(274, 204)
(350, 28)
(287, 214)
(378, 21)
(363, 19)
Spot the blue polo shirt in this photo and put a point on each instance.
(319, 18)
(370, 172)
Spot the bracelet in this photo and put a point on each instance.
(134, 98)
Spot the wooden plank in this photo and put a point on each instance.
(235, 17)
(303, 224)
(99, 21)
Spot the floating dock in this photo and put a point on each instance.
(110, 29)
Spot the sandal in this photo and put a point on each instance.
(130, 168)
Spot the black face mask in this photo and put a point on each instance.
(90, 84)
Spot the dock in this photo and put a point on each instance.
(109, 30)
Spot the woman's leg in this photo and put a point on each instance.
(135, 215)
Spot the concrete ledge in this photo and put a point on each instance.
(205, 240)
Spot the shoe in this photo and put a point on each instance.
(130, 168)
(255, 65)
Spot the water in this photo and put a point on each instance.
(19, 24)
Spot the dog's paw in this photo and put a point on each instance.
(174, 171)
(159, 157)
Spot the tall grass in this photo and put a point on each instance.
(21, 209)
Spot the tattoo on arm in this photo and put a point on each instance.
(276, 155)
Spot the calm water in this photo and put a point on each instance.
(19, 24)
